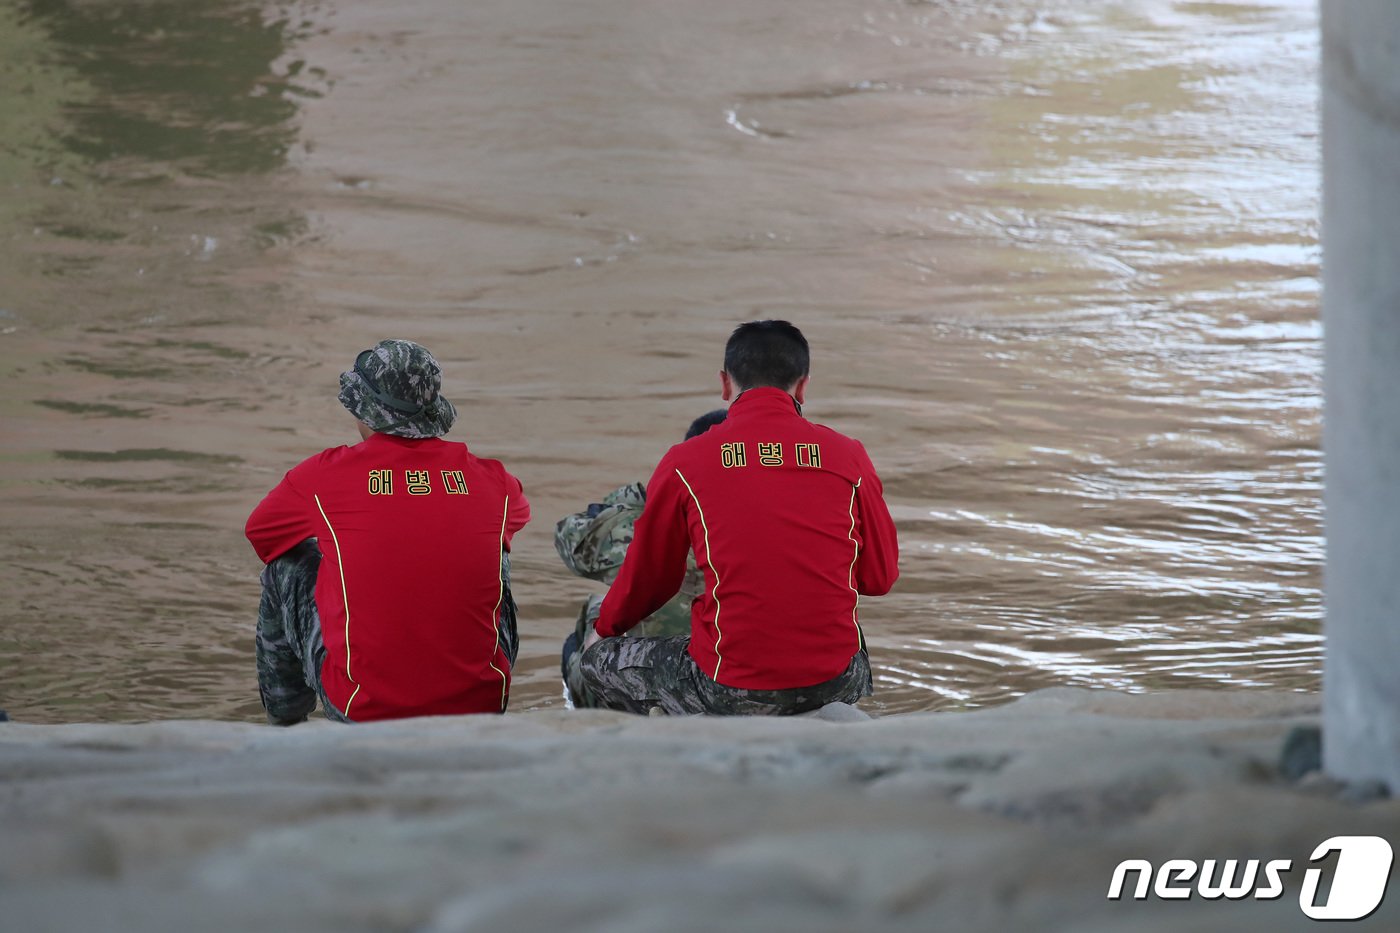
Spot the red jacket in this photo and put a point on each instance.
(409, 591)
(788, 524)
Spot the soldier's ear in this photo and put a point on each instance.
(726, 386)
(799, 391)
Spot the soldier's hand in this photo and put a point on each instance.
(591, 639)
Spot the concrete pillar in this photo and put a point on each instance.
(1361, 434)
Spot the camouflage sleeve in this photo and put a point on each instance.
(592, 543)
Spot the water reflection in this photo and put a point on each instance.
(182, 81)
(142, 144)
(1154, 167)
(123, 125)
(35, 92)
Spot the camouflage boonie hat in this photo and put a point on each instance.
(393, 388)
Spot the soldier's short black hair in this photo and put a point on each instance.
(766, 353)
(706, 421)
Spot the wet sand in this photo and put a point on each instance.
(1073, 321)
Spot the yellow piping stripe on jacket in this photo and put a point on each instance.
(851, 575)
(495, 616)
(345, 596)
(709, 558)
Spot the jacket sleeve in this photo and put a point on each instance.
(877, 566)
(655, 563)
(281, 521)
(518, 514)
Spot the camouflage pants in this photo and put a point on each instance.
(637, 675)
(290, 649)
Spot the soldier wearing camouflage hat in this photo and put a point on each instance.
(789, 527)
(387, 587)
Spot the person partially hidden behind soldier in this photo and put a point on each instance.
(789, 527)
(593, 543)
(387, 587)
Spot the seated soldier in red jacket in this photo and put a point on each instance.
(387, 587)
(789, 527)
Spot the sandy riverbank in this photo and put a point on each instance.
(1000, 819)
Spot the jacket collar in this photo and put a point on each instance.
(380, 439)
(764, 399)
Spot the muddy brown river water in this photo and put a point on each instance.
(1058, 262)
